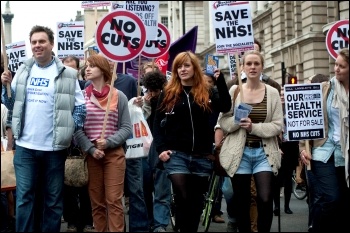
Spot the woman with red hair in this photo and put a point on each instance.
(183, 134)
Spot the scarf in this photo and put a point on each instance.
(341, 101)
(100, 99)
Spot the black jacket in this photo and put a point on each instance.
(188, 128)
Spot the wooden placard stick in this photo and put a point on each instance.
(95, 9)
(238, 68)
(307, 149)
(139, 77)
(114, 77)
(3, 48)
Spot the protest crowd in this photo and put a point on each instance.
(85, 139)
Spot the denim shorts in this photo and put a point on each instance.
(254, 160)
(182, 163)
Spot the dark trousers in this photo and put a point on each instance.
(329, 197)
(77, 207)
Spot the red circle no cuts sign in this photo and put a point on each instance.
(337, 37)
(120, 36)
(156, 48)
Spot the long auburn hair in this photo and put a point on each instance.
(174, 88)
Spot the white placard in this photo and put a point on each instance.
(233, 26)
(304, 111)
(92, 4)
(147, 11)
(16, 53)
(70, 39)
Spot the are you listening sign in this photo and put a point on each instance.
(304, 111)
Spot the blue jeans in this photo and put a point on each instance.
(189, 177)
(138, 217)
(183, 163)
(228, 195)
(33, 167)
(157, 189)
(253, 161)
(329, 196)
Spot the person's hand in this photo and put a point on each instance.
(101, 144)
(147, 98)
(165, 155)
(246, 123)
(216, 74)
(6, 77)
(138, 101)
(98, 154)
(305, 157)
(281, 151)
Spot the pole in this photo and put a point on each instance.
(3, 48)
(283, 74)
(114, 77)
(238, 68)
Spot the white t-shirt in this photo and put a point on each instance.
(37, 133)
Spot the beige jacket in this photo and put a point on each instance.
(232, 149)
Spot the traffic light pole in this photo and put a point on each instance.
(283, 74)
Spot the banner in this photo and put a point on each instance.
(233, 26)
(16, 54)
(70, 39)
(303, 108)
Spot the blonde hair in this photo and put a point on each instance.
(149, 64)
(255, 53)
(344, 53)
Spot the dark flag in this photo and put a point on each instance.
(186, 42)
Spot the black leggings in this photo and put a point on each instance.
(189, 193)
(241, 200)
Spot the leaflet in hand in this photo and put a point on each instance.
(242, 111)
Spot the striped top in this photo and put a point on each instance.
(258, 115)
(95, 115)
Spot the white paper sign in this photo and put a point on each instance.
(92, 4)
(70, 39)
(233, 27)
(304, 111)
(147, 11)
(16, 53)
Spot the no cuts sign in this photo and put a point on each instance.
(338, 37)
(158, 47)
(120, 36)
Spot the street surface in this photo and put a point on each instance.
(296, 222)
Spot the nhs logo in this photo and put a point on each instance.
(39, 82)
